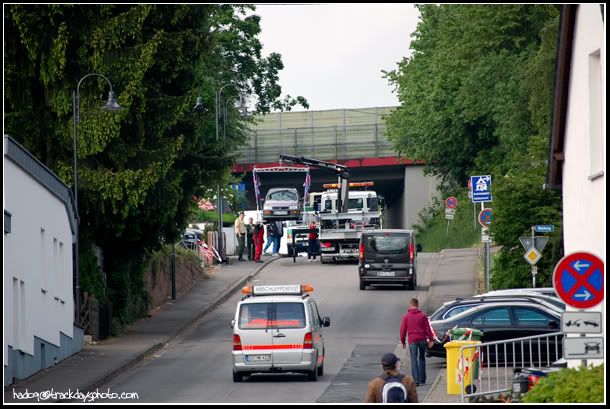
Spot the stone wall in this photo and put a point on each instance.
(158, 278)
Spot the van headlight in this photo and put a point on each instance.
(266, 207)
(294, 207)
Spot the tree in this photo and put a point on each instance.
(475, 99)
(140, 167)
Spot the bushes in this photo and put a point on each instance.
(584, 385)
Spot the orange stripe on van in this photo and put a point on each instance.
(280, 346)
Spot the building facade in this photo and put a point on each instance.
(39, 232)
(577, 152)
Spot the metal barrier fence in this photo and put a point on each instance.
(321, 142)
(533, 351)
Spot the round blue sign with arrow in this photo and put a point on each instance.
(579, 280)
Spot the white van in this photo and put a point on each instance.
(277, 328)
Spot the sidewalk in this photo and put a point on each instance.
(95, 364)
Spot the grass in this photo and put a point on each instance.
(460, 233)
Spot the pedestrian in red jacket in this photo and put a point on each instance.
(417, 325)
(257, 236)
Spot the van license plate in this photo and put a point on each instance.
(386, 273)
(256, 358)
(280, 212)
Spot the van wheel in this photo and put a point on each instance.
(312, 376)
(238, 377)
(362, 285)
(321, 369)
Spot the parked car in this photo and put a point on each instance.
(548, 291)
(505, 320)
(388, 256)
(451, 308)
(281, 204)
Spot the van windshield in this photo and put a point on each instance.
(388, 243)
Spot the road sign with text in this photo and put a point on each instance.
(481, 188)
(544, 228)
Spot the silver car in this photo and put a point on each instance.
(277, 328)
(281, 203)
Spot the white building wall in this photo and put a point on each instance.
(418, 193)
(40, 262)
(584, 188)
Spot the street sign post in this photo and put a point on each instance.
(578, 322)
(481, 188)
(579, 280)
(583, 348)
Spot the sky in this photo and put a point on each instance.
(333, 54)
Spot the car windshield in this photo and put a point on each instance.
(388, 243)
(283, 195)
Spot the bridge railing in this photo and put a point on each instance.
(321, 142)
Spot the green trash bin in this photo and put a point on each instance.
(466, 334)
(469, 334)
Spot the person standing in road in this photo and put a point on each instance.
(240, 233)
(270, 237)
(279, 232)
(312, 243)
(417, 325)
(377, 392)
(249, 239)
(257, 235)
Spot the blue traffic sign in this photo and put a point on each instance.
(544, 228)
(481, 188)
(486, 217)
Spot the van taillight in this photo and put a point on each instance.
(411, 255)
(326, 244)
(236, 342)
(361, 251)
(308, 341)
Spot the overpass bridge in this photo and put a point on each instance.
(355, 138)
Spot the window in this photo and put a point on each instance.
(355, 204)
(388, 243)
(372, 203)
(595, 116)
(529, 316)
(289, 315)
(495, 316)
(457, 310)
(283, 195)
(253, 316)
(7, 222)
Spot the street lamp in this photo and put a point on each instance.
(110, 105)
(219, 198)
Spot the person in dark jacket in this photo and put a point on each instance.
(417, 325)
(391, 368)
(249, 239)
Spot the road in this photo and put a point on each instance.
(196, 366)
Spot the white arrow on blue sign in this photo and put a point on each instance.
(544, 228)
(481, 188)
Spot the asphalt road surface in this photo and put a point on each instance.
(196, 366)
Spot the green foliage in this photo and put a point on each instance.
(138, 168)
(91, 278)
(476, 98)
(434, 235)
(569, 385)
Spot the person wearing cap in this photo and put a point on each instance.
(390, 364)
(417, 325)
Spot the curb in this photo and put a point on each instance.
(222, 298)
(436, 381)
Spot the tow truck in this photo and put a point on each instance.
(343, 215)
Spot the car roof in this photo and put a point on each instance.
(537, 298)
(379, 231)
(493, 305)
(275, 189)
(274, 298)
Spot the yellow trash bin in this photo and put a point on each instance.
(466, 367)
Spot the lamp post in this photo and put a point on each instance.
(219, 207)
(110, 105)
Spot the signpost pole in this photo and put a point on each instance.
(534, 268)
(485, 255)
(474, 216)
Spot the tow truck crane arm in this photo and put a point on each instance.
(341, 171)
